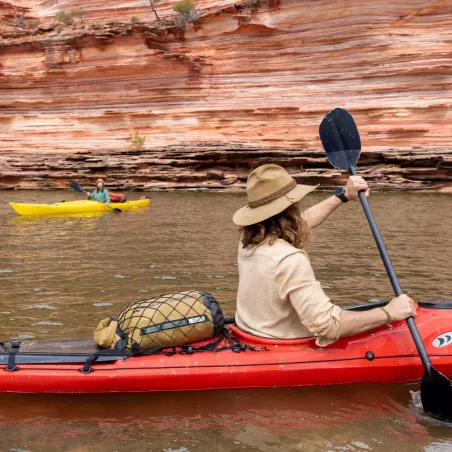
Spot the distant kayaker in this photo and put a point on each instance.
(100, 193)
(278, 294)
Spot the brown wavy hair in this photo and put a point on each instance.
(288, 225)
(102, 182)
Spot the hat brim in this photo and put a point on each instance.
(247, 216)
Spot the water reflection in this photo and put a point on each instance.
(19, 219)
(359, 417)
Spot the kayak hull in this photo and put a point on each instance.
(383, 356)
(71, 207)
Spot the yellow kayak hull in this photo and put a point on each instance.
(75, 207)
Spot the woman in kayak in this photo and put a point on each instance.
(100, 193)
(278, 295)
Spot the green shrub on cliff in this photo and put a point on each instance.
(184, 7)
(65, 17)
(137, 140)
(187, 14)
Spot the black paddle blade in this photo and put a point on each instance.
(436, 395)
(340, 139)
(76, 187)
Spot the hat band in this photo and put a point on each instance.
(274, 196)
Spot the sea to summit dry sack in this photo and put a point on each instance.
(117, 197)
(169, 320)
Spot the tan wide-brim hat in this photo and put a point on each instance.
(270, 190)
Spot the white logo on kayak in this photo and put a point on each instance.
(443, 340)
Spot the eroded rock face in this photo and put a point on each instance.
(247, 84)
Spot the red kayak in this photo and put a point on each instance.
(382, 356)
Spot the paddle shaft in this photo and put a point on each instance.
(392, 275)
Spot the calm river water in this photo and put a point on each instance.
(59, 276)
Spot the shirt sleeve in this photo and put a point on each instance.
(107, 197)
(296, 284)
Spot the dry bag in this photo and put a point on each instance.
(168, 320)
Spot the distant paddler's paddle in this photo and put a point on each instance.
(342, 144)
(78, 188)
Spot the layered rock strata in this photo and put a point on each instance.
(220, 167)
(247, 83)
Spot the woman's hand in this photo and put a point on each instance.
(355, 322)
(401, 308)
(354, 185)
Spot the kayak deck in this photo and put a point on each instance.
(383, 356)
(71, 207)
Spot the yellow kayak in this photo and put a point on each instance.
(75, 207)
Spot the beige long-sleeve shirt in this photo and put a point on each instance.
(279, 297)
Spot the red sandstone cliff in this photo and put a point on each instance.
(249, 82)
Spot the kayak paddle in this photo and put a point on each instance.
(342, 144)
(78, 188)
